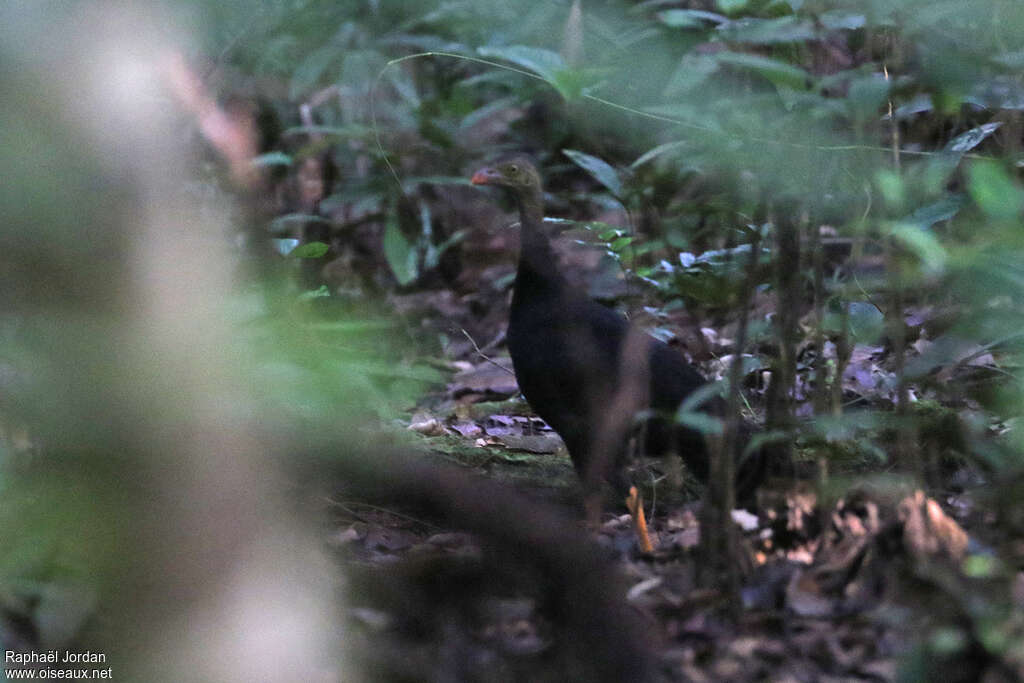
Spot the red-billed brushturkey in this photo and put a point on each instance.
(579, 363)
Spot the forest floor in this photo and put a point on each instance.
(852, 587)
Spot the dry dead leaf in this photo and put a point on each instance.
(928, 531)
(429, 426)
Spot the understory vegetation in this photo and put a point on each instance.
(254, 391)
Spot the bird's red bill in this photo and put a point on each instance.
(479, 178)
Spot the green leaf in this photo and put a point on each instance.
(689, 18)
(768, 31)
(309, 250)
(779, 73)
(548, 65)
(691, 74)
(761, 439)
(570, 82)
(866, 96)
(923, 244)
(940, 167)
(620, 244)
(751, 363)
(544, 63)
(701, 422)
(320, 292)
(965, 142)
(867, 323)
(729, 258)
(399, 252)
(456, 238)
(942, 210)
(668, 147)
(599, 169)
(272, 159)
(982, 566)
(701, 396)
(892, 187)
(995, 193)
(838, 20)
(731, 6)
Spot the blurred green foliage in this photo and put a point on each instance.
(898, 123)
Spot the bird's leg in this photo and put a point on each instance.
(636, 509)
(592, 509)
(593, 496)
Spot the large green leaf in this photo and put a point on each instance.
(598, 168)
(548, 65)
(923, 244)
(767, 31)
(942, 210)
(667, 148)
(866, 95)
(544, 63)
(399, 252)
(689, 18)
(692, 73)
(865, 322)
(779, 73)
(965, 142)
(995, 193)
(941, 167)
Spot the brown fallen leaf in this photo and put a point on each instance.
(928, 531)
(467, 429)
(429, 426)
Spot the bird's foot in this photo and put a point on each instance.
(636, 509)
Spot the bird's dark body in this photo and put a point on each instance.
(574, 358)
(567, 352)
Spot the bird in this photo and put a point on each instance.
(584, 369)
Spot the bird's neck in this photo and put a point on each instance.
(538, 266)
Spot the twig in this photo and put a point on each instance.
(485, 356)
(377, 508)
(906, 453)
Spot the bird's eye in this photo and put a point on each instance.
(513, 168)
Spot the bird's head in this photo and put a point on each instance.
(516, 172)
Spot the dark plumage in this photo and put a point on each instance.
(580, 364)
